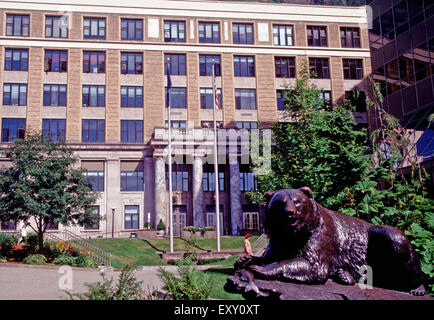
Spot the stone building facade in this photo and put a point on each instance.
(92, 73)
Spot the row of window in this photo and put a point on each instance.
(175, 31)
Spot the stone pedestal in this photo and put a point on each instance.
(236, 208)
(198, 216)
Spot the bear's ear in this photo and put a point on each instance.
(268, 195)
(307, 191)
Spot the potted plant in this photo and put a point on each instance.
(161, 228)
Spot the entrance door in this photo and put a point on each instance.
(179, 216)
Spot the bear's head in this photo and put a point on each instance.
(290, 211)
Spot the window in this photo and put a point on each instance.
(244, 66)
(93, 96)
(283, 35)
(206, 98)
(209, 32)
(8, 225)
(176, 64)
(93, 131)
(357, 99)
(132, 131)
(131, 29)
(245, 99)
(56, 61)
(250, 217)
(132, 181)
(178, 98)
(17, 25)
(13, 128)
(316, 36)
(350, 37)
(205, 65)
(94, 28)
(353, 68)
(174, 31)
(208, 181)
(54, 129)
(179, 220)
(56, 26)
(95, 225)
(211, 216)
(246, 125)
(93, 62)
(15, 94)
(131, 217)
(248, 182)
(179, 181)
(280, 99)
(210, 124)
(285, 67)
(319, 68)
(54, 94)
(326, 96)
(132, 97)
(95, 180)
(131, 63)
(242, 33)
(16, 59)
(177, 124)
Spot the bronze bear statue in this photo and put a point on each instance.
(310, 244)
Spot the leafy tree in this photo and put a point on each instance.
(43, 184)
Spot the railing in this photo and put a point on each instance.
(96, 253)
(259, 246)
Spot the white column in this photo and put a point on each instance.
(235, 193)
(198, 215)
(160, 191)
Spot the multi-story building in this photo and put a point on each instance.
(91, 73)
(402, 48)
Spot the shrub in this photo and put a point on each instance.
(35, 259)
(3, 259)
(32, 243)
(6, 244)
(65, 260)
(161, 225)
(86, 262)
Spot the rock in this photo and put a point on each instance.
(278, 290)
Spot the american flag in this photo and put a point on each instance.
(216, 98)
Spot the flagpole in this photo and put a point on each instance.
(216, 166)
(169, 157)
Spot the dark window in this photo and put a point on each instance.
(55, 95)
(244, 66)
(132, 181)
(246, 125)
(93, 96)
(285, 67)
(357, 99)
(51, 225)
(132, 131)
(242, 33)
(280, 99)
(131, 217)
(350, 37)
(245, 99)
(326, 96)
(131, 63)
(316, 36)
(132, 29)
(248, 182)
(93, 62)
(14, 94)
(17, 25)
(421, 60)
(13, 128)
(16, 59)
(95, 180)
(54, 129)
(176, 64)
(93, 131)
(415, 10)
(319, 68)
(206, 98)
(209, 32)
(177, 124)
(8, 225)
(178, 98)
(174, 31)
(387, 26)
(208, 181)
(179, 181)
(95, 225)
(94, 28)
(56, 61)
(353, 68)
(56, 26)
(283, 35)
(132, 97)
(205, 65)
(401, 17)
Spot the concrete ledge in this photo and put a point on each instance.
(42, 266)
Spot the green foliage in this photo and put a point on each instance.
(85, 262)
(32, 242)
(161, 225)
(64, 259)
(35, 259)
(7, 241)
(3, 259)
(44, 185)
(191, 283)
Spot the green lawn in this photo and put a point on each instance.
(142, 252)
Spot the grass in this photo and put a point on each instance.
(135, 252)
